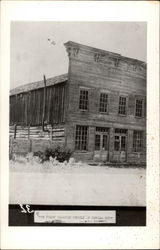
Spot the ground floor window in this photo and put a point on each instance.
(137, 141)
(81, 140)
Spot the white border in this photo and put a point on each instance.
(85, 237)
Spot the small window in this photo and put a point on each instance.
(139, 108)
(83, 99)
(120, 131)
(103, 102)
(102, 129)
(81, 140)
(122, 105)
(137, 141)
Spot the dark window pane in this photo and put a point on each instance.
(139, 107)
(105, 142)
(101, 129)
(137, 141)
(122, 105)
(83, 100)
(120, 131)
(81, 139)
(97, 142)
(123, 143)
(117, 143)
(103, 102)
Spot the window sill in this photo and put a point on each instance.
(81, 151)
(104, 113)
(138, 117)
(122, 115)
(83, 110)
(140, 152)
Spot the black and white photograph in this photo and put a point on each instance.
(79, 127)
(77, 144)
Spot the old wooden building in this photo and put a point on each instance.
(98, 109)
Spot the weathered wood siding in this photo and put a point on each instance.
(127, 78)
(27, 108)
(98, 71)
(36, 133)
(31, 139)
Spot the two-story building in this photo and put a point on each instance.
(98, 109)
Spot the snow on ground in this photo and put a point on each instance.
(54, 183)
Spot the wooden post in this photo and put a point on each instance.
(10, 147)
(51, 133)
(30, 145)
(28, 131)
(15, 131)
(44, 103)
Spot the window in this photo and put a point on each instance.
(120, 131)
(81, 142)
(103, 102)
(101, 129)
(137, 141)
(122, 105)
(139, 107)
(83, 99)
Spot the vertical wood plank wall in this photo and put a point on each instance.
(27, 108)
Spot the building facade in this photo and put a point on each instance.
(97, 110)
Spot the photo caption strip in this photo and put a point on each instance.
(75, 217)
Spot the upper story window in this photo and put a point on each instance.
(137, 141)
(122, 105)
(83, 99)
(139, 108)
(103, 103)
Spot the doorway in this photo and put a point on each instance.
(120, 145)
(101, 144)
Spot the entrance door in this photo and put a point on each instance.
(101, 147)
(120, 145)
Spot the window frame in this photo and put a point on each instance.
(107, 108)
(137, 99)
(126, 104)
(87, 90)
(134, 145)
(79, 147)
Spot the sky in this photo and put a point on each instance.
(33, 54)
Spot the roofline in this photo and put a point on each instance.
(105, 52)
(39, 84)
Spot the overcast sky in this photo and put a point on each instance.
(33, 55)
